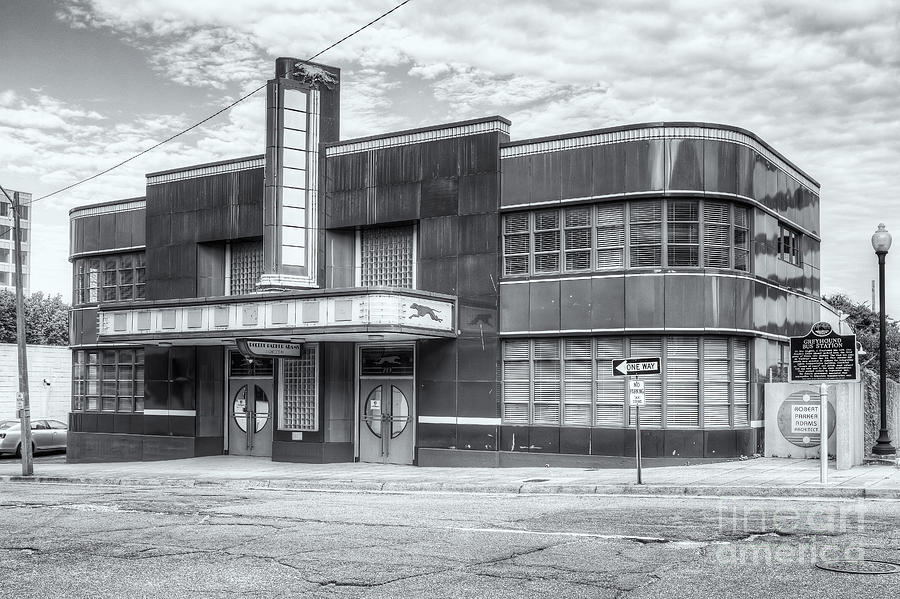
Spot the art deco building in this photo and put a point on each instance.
(442, 296)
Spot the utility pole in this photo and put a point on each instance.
(23, 405)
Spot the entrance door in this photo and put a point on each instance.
(386, 431)
(249, 417)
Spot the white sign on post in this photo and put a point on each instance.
(635, 392)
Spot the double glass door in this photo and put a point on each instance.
(250, 417)
(386, 428)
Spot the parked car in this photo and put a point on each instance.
(46, 435)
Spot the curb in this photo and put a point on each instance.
(449, 487)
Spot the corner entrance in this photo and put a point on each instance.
(250, 406)
(387, 405)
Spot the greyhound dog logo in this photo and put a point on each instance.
(423, 311)
(388, 361)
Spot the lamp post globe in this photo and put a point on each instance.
(881, 243)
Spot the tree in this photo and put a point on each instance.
(865, 324)
(46, 319)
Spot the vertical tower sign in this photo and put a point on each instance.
(302, 111)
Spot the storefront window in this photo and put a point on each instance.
(108, 380)
(569, 382)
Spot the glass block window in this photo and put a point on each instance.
(108, 380)
(112, 278)
(386, 257)
(569, 382)
(246, 266)
(642, 233)
(299, 408)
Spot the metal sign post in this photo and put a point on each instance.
(636, 399)
(823, 433)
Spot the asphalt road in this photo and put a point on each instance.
(81, 541)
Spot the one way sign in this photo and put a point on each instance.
(635, 366)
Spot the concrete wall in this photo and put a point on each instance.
(52, 363)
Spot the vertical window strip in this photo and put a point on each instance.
(546, 241)
(578, 238)
(741, 381)
(716, 383)
(716, 234)
(246, 266)
(300, 400)
(741, 239)
(683, 233)
(610, 389)
(516, 243)
(682, 382)
(645, 233)
(577, 384)
(610, 236)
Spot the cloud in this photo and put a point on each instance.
(817, 80)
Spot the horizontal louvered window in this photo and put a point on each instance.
(570, 382)
(641, 233)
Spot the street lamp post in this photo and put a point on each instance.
(881, 243)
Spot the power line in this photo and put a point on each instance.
(210, 117)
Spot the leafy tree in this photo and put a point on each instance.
(865, 324)
(46, 319)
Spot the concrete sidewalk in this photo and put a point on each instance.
(756, 477)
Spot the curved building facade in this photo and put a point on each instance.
(443, 295)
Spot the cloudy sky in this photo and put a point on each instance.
(87, 83)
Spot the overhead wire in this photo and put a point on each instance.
(210, 117)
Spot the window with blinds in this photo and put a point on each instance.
(642, 233)
(569, 382)
(645, 233)
(516, 244)
(299, 407)
(578, 238)
(546, 241)
(386, 257)
(683, 222)
(610, 236)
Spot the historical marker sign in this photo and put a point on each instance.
(823, 356)
(635, 366)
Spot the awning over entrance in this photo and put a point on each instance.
(339, 315)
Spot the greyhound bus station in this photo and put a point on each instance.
(442, 296)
